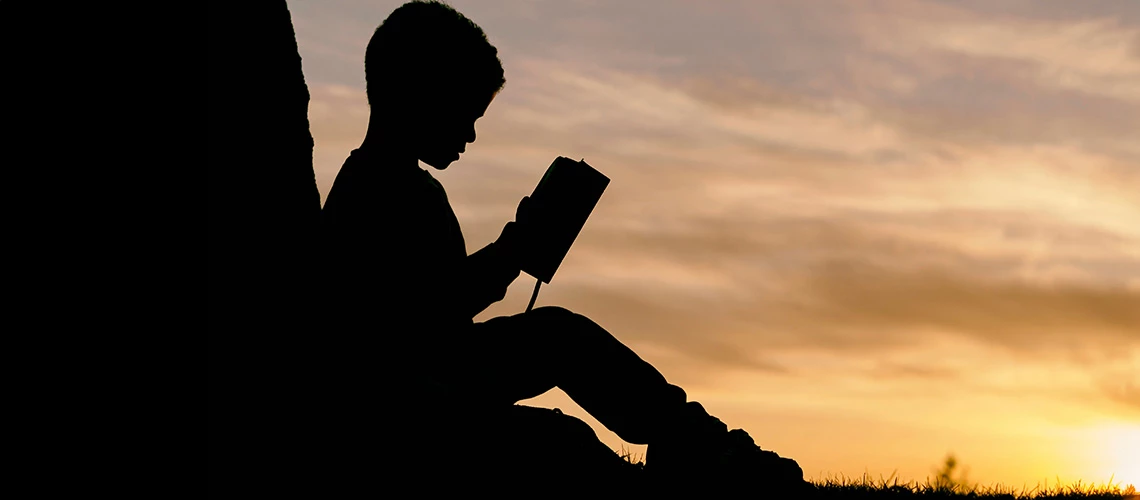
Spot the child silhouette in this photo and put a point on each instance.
(400, 278)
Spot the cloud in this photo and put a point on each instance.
(1094, 56)
(1023, 318)
(1122, 385)
(852, 305)
(896, 371)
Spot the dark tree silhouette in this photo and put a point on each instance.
(263, 207)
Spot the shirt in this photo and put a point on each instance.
(397, 263)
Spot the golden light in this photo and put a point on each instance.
(1120, 446)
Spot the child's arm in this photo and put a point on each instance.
(493, 268)
(488, 273)
(463, 287)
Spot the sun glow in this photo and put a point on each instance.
(1119, 450)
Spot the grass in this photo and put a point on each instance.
(867, 487)
(947, 483)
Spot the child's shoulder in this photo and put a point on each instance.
(366, 181)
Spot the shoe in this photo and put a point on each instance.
(744, 464)
(690, 445)
(702, 454)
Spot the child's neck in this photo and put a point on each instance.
(390, 152)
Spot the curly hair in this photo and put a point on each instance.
(423, 46)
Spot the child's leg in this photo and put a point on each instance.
(511, 358)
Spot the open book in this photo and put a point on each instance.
(559, 207)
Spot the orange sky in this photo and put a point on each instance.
(869, 233)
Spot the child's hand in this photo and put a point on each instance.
(514, 236)
(522, 213)
(510, 242)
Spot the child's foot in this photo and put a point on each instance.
(702, 451)
(743, 460)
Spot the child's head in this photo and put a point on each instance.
(430, 73)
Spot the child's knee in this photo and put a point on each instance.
(566, 327)
(551, 313)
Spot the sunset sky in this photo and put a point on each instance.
(869, 233)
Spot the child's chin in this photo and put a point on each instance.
(438, 163)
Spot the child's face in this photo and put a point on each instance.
(447, 129)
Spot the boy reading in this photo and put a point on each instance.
(400, 274)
